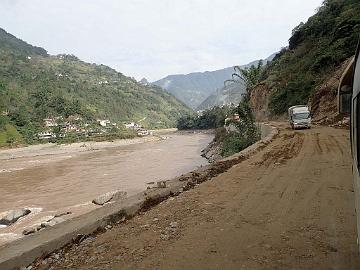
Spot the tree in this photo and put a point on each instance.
(250, 76)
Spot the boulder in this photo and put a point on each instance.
(54, 221)
(31, 230)
(104, 198)
(107, 197)
(12, 216)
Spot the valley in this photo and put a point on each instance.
(197, 170)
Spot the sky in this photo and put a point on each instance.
(155, 38)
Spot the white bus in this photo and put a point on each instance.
(349, 102)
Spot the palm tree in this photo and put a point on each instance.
(249, 76)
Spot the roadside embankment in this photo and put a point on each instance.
(213, 151)
(39, 245)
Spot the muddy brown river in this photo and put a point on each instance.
(51, 180)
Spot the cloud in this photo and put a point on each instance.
(159, 37)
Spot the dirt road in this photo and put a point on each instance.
(290, 206)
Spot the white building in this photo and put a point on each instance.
(50, 122)
(143, 132)
(104, 122)
(46, 135)
(132, 125)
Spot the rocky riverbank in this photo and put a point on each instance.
(212, 151)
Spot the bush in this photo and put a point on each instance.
(234, 143)
(245, 135)
(9, 136)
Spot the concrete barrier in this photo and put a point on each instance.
(26, 250)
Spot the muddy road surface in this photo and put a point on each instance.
(290, 206)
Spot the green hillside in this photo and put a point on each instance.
(316, 48)
(10, 42)
(34, 86)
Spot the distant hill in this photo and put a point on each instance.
(34, 86)
(230, 93)
(193, 89)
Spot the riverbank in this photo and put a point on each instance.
(97, 144)
(213, 151)
(51, 149)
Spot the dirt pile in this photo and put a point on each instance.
(323, 102)
(259, 101)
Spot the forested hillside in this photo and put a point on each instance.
(11, 43)
(34, 86)
(316, 49)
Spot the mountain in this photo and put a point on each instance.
(317, 50)
(194, 88)
(35, 85)
(230, 93)
(10, 42)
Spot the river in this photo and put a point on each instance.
(51, 182)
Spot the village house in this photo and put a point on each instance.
(133, 125)
(74, 117)
(50, 122)
(45, 135)
(103, 122)
(143, 132)
(230, 126)
(72, 128)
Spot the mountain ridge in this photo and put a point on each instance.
(195, 87)
(9, 41)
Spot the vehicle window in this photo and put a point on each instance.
(345, 102)
(300, 116)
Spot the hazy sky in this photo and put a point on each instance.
(154, 38)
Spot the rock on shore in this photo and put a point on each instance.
(109, 196)
(212, 152)
(12, 216)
